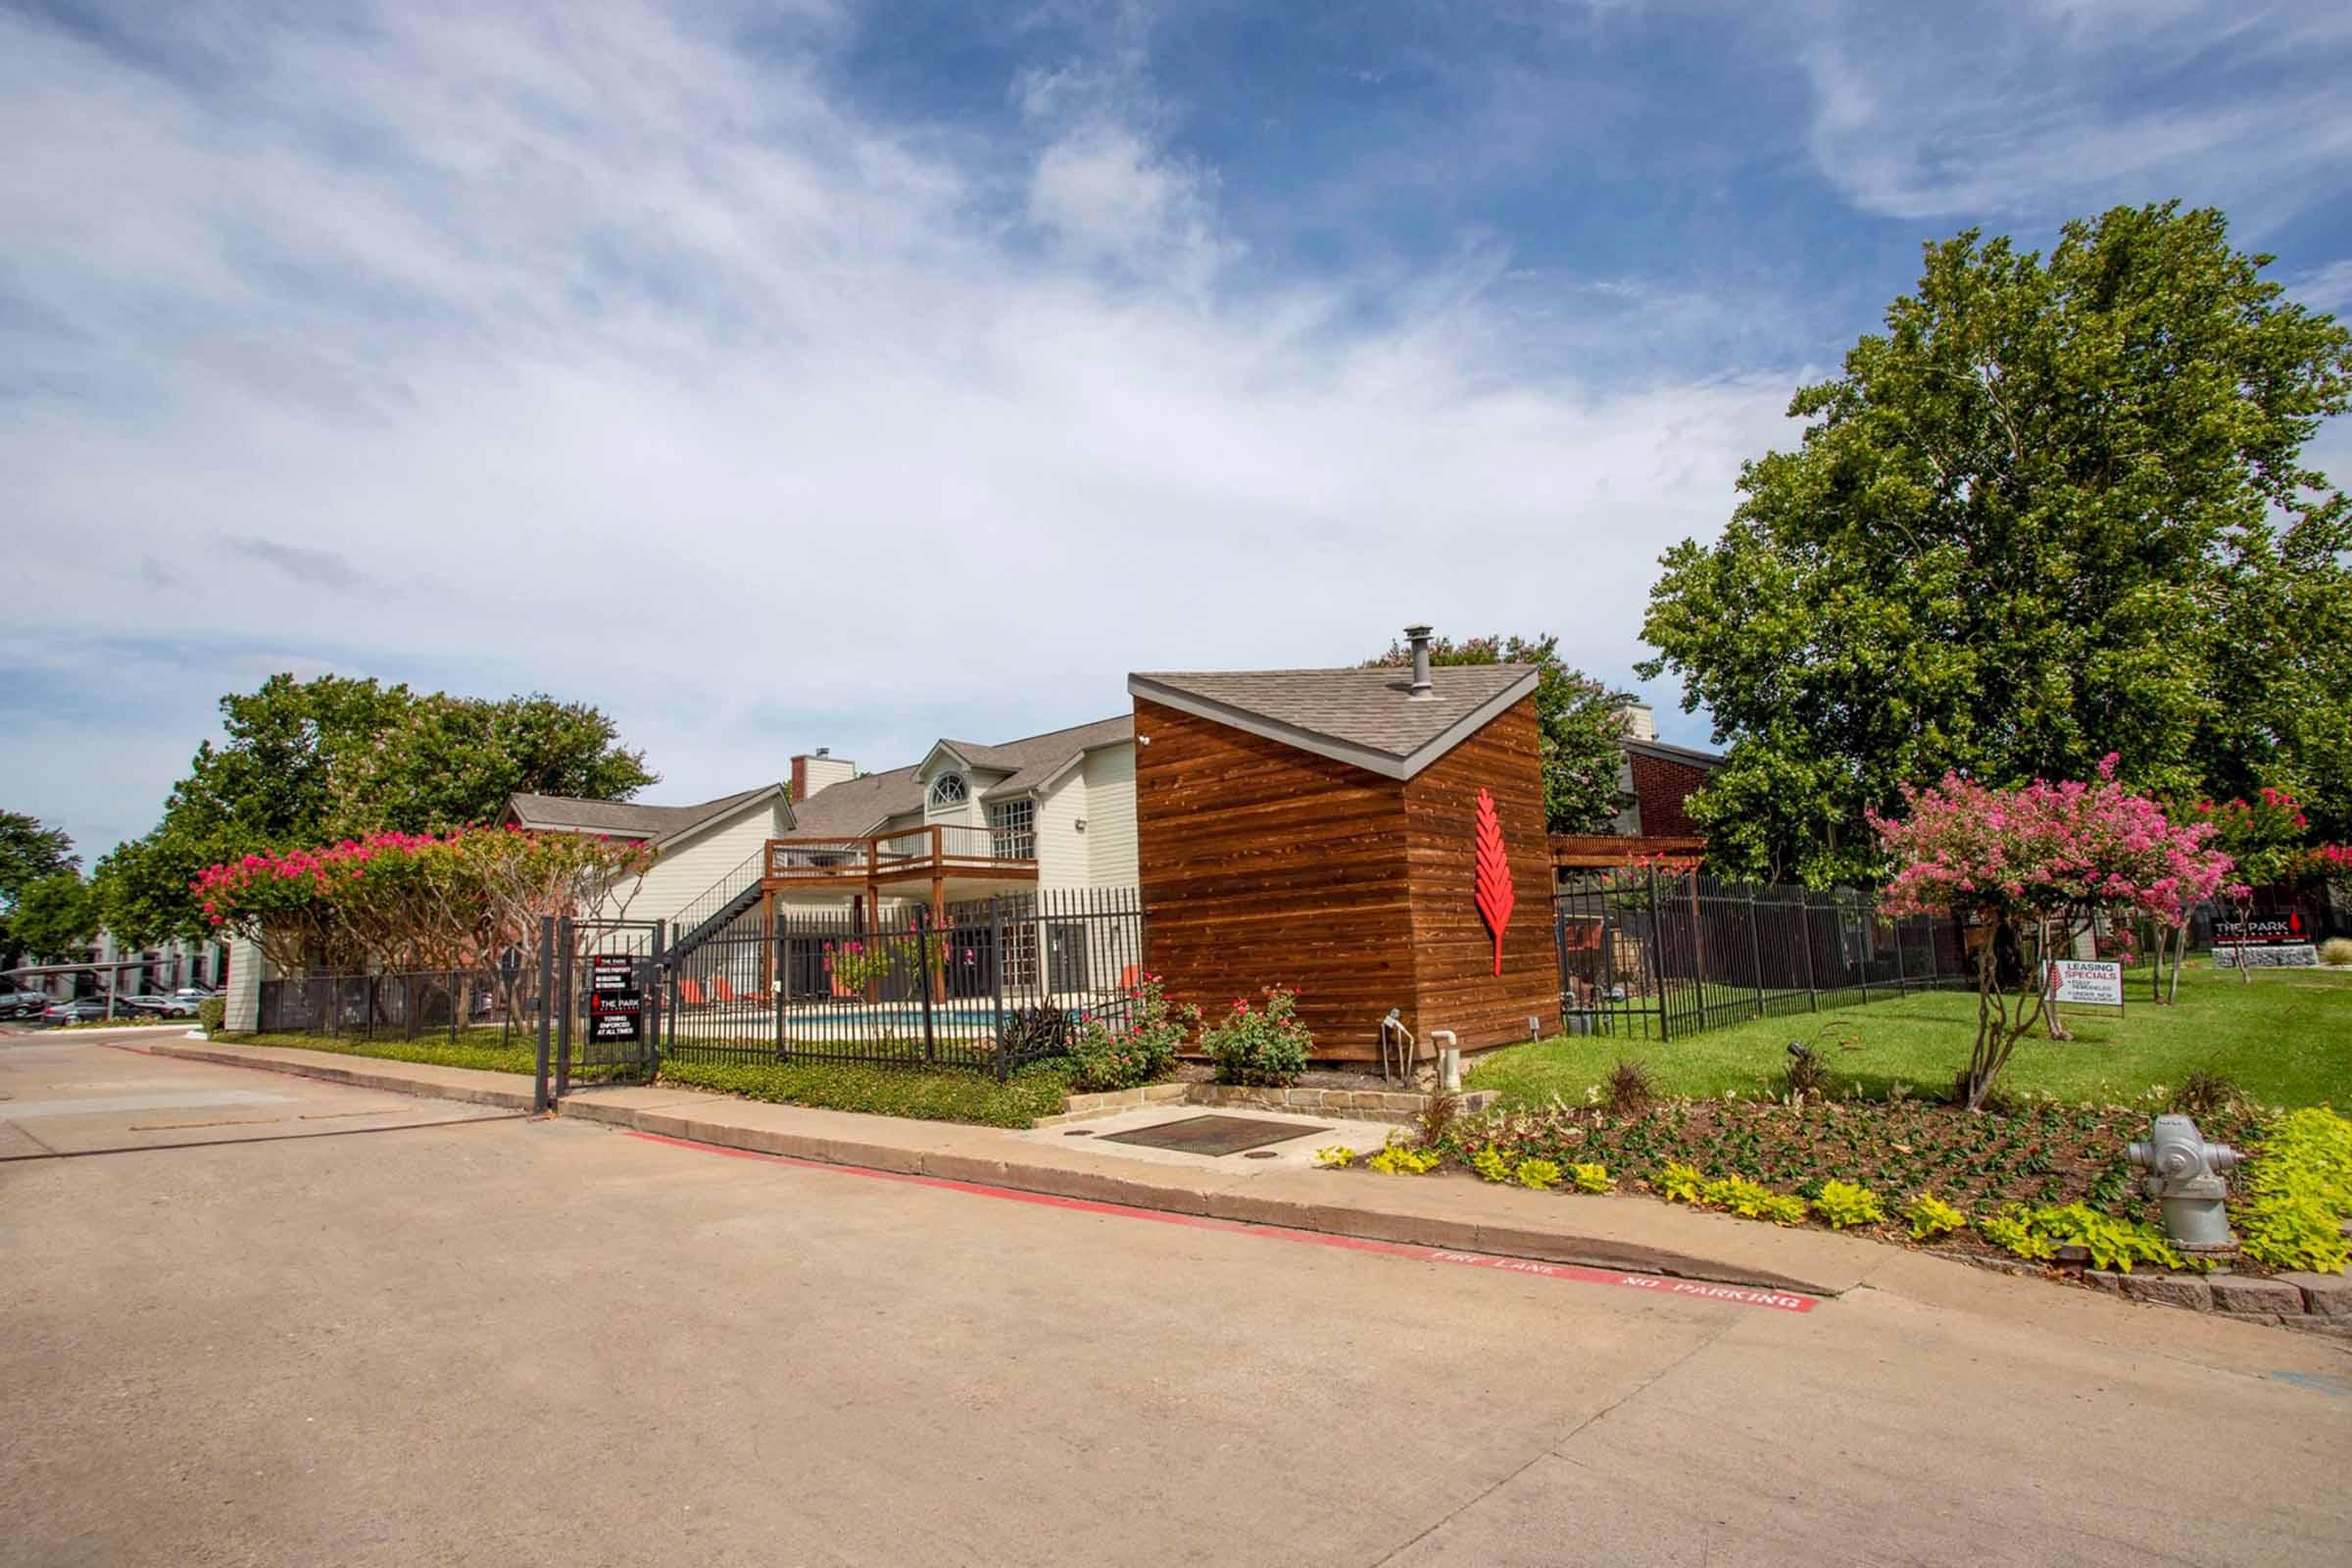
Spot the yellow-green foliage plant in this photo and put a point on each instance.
(1679, 1183)
(1591, 1177)
(1844, 1205)
(2299, 1194)
(1932, 1217)
(1335, 1156)
(2011, 1229)
(1786, 1209)
(1539, 1174)
(1490, 1164)
(1399, 1160)
(2113, 1244)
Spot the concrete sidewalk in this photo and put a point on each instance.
(1636, 1235)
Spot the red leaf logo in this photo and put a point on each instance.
(1494, 896)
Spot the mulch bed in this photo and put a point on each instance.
(2045, 1153)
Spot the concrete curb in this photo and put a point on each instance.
(705, 1119)
(395, 1077)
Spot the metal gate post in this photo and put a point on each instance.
(1657, 958)
(1755, 949)
(1559, 953)
(564, 934)
(1900, 988)
(653, 1002)
(1804, 929)
(922, 965)
(995, 980)
(1870, 941)
(547, 987)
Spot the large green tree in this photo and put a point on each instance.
(2056, 509)
(306, 763)
(29, 853)
(1583, 723)
(56, 918)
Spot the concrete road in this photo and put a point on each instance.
(483, 1340)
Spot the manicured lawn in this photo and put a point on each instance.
(939, 1093)
(2285, 1040)
(476, 1048)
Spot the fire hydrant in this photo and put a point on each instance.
(2185, 1172)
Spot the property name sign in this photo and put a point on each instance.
(615, 1007)
(2261, 930)
(2092, 981)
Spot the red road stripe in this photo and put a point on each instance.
(1737, 1296)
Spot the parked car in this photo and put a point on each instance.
(195, 995)
(24, 1003)
(83, 1009)
(157, 1005)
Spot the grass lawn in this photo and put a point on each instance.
(476, 1048)
(2285, 1040)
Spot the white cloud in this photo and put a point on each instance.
(575, 350)
(2052, 108)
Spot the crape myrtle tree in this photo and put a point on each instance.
(1580, 724)
(2056, 508)
(2033, 867)
(471, 901)
(2264, 838)
(313, 763)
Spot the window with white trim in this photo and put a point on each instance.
(1013, 829)
(948, 790)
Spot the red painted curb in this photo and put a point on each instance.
(1576, 1273)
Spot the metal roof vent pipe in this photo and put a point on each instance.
(1417, 637)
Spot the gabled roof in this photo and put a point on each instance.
(1665, 751)
(628, 819)
(1367, 717)
(860, 805)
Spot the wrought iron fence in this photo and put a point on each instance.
(389, 1007)
(1643, 951)
(990, 984)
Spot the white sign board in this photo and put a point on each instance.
(2086, 980)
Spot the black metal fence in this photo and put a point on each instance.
(387, 1006)
(990, 984)
(1645, 951)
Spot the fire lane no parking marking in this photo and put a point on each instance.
(1573, 1273)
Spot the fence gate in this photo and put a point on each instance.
(599, 1004)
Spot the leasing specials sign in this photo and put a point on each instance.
(2091, 981)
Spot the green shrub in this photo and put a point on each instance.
(1268, 1047)
(1137, 1049)
(935, 1095)
(2112, 1242)
(1931, 1216)
(1679, 1183)
(1845, 1205)
(1490, 1164)
(1591, 1177)
(2299, 1194)
(1539, 1174)
(1335, 1156)
(1403, 1159)
(211, 1013)
(2011, 1229)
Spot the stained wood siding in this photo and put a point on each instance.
(1453, 951)
(1262, 863)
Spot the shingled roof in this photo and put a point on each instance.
(623, 819)
(860, 805)
(1368, 717)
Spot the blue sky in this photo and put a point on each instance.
(786, 376)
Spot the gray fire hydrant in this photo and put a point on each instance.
(2185, 1172)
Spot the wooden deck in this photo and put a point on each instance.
(919, 862)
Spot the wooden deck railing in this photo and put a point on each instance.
(912, 854)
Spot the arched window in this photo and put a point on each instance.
(948, 790)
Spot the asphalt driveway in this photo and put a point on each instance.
(459, 1336)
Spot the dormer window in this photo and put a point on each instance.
(947, 790)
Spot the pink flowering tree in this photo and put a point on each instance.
(395, 901)
(2265, 838)
(2033, 868)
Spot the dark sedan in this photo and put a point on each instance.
(84, 1009)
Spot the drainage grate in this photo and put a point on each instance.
(1214, 1135)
